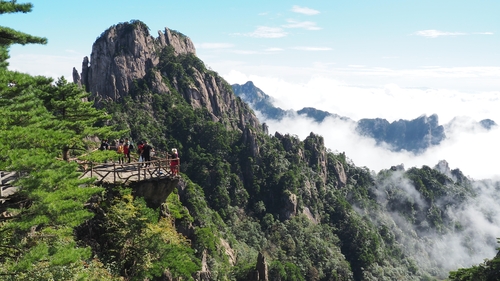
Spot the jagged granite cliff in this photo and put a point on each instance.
(126, 56)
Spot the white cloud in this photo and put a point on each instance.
(474, 151)
(245, 52)
(267, 32)
(72, 52)
(53, 66)
(304, 10)
(214, 45)
(274, 49)
(308, 25)
(431, 33)
(477, 216)
(303, 48)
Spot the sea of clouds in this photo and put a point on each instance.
(468, 147)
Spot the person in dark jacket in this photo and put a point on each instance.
(146, 152)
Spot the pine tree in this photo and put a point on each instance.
(9, 36)
(37, 228)
(37, 224)
(69, 104)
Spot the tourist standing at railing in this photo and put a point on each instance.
(104, 145)
(174, 162)
(121, 152)
(146, 152)
(128, 149)
(140, 145)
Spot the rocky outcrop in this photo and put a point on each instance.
(310, 216)
(76, 77)
(316, 146)
(290, 143)
(154, 191)
(289, 205)
(261, 272)
(250, 138)
(181, 43)
(204, 274)
(230, 253)
(340, 174)
(259, 100)
(126, 55)
(262, 267)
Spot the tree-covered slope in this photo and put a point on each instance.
(283, 196)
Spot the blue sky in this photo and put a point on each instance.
(319, 37)
(390, 59)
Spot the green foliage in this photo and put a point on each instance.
(9, 36)
(39, 241)
(80, 118)
(135, 242)
(99, 156)
(176, 210)
(285, 272)
(241, 271)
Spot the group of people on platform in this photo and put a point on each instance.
(145, 151)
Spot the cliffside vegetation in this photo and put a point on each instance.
(311, 212)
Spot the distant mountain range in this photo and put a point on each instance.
(411, 135)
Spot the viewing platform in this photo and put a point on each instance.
(126, 173)
(137, 174)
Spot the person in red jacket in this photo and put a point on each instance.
(126, 151)
(174, 162)
(139, 151)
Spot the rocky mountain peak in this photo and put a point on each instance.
(123, 53)
(126, 55)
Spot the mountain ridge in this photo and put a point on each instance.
(415, 135)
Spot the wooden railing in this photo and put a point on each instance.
(127, 172)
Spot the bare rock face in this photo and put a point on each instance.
(122, 54)
(156, 191)
(250, 138)
(290, 205)
(316, 145)
(340, 173)
(126, 53)
(76, 77)
(181, 43)
(262, 267)
(204, 274)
